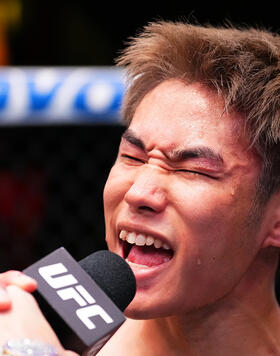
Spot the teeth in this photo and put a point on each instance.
(149, 240)
(123, 235)
(131, 237)
(142, 240)
(158, 244)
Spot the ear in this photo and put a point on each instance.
(273, 237)
(272, 226)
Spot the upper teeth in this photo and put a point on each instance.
(141, 239)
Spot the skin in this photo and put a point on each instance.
(215, 297)
(202, 207)
(15, 278)
(20, 316)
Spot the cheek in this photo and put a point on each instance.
(218, 230)
(214, 220)
(207, 203)
(201, 203)
(111, 192)
(114, 191)
(216, 248)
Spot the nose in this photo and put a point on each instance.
(147, 193)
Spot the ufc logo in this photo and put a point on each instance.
(67, 287)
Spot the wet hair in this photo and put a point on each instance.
(241, 64)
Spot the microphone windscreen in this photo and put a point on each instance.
(113, 275)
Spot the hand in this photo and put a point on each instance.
(25, 319)
(15, 278)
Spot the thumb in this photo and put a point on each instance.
(18, 279)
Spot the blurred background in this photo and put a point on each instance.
(59, 114)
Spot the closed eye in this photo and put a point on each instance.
(132, 158)
(195, 173)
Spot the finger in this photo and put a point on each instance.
(70, 353)
(18, 279)
(5, 300)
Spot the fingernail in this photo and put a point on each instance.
(26, 282)
(5, 301)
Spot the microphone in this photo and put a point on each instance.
(90, 295)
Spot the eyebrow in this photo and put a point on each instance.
(179, 155)
(129, 136)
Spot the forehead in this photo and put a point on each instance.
(175, 115)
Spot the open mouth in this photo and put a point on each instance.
(144, 250)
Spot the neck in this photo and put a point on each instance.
(236, 330)
(245, 322)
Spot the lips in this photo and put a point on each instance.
(143, 249)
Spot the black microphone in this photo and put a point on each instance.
(90, 295)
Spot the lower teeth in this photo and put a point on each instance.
(136, 264)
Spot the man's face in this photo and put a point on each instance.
(183, 180)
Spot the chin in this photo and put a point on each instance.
(142, 311)
(140, 314)
(144, 308)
